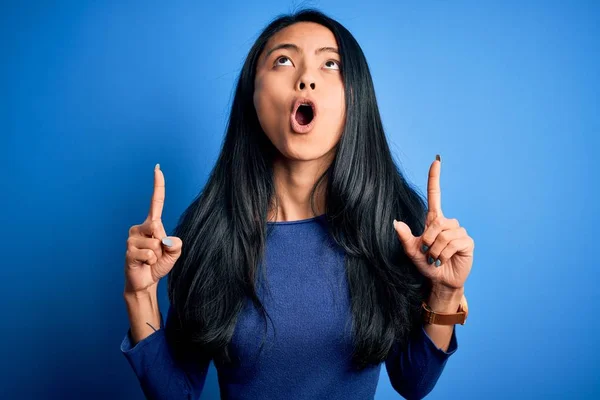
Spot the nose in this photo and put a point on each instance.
(306, 78)
(303, 84)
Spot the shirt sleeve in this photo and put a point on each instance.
(414, 372)
(160, 375)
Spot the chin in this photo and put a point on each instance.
(304, 151)
(310, 146)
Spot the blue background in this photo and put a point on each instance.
(94, 94)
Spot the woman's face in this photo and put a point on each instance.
(301, 64)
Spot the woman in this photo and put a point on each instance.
(286, 270)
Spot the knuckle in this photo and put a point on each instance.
(428, 235)
(142, 229)
(443, 257)
(426, 239)
(133, 230)
(155, 225)
(451, 248)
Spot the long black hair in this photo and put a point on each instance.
(224, 229)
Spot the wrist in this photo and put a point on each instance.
(445, 300)
(150, 292)
(144, 313)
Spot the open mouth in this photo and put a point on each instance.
(304, 114)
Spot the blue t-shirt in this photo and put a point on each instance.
(308, 354)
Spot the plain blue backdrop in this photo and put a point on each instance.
(94, 94)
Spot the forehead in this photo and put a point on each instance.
(306, 35)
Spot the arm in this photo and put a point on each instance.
(159, 374)
(414, 372)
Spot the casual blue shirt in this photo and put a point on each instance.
(308, 354)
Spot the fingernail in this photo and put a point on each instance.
(157, 166)
(430, 260)
(438, 262)
(424, 248)
(394, 223)
(438, 157)
(167, 242)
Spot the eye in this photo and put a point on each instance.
(282, 58)
(335, 62)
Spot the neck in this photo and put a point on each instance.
(294, 181)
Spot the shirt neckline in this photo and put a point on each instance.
(300, 221)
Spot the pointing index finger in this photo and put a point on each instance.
(158, 195)
(434, 194)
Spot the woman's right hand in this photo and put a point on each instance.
(149, 257)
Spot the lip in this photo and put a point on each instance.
(296, 127)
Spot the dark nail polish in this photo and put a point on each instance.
(438, 157)
(424, 248)
(438, 262)
(430, 260)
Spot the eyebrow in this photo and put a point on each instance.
(293, 47)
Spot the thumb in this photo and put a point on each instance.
(406, 237)
(172, 245)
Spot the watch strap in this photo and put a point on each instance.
(436, 318)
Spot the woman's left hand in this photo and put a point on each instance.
(444, 253)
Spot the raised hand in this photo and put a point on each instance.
(150, 253)
(444, 253)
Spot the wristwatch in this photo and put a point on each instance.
(459, 317)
